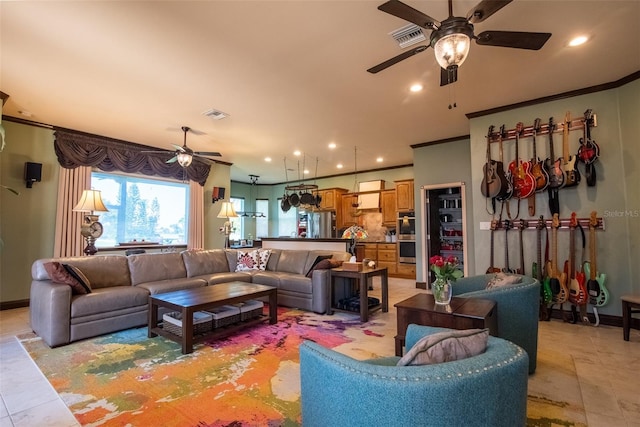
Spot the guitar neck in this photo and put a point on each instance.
(592, 250)
(521, 253)
(539, 272)
(554, 253)
(572, 253)
(491, 260)
(565, 138)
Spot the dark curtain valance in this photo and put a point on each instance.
(80, 149)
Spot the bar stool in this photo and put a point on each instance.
(630, 304)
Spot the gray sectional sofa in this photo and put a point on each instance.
(121, 286)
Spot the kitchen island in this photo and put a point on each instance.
(338, 245)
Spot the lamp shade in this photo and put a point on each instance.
(90, 201)
(227, 211)
(452, 49)
(355, 232)
(184, 159)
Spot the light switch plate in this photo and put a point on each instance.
(485, 225)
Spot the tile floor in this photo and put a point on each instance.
(606, 366)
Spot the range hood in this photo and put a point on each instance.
(369, 200)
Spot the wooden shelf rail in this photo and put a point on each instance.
(527, 132)
(532, 224)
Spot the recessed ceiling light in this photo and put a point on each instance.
(25, 113)
(297, 153)
(379, 159)
(339, 165)
(267, 159)
(305, 171)
(332, 145)
(577, 41)
(416, 87)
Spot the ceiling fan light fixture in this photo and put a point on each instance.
(184, 159)
(452, 49)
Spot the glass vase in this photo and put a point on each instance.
(441, 289)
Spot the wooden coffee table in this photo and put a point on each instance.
(189, 301)
(461, 313)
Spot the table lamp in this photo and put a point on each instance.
(91, 201)
(227, 211)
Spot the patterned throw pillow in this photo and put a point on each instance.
(446, 347)
(263, 258)
(502, 279)
(59, 273)
(247, 260)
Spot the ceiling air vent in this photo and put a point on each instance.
(215, 114)
(408, 35)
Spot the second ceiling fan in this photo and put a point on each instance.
(451, 38)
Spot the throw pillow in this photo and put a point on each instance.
(79, 276)
(263, 258)
(58, 274)
(325, 264)
(247, 260)
(318, 259)
(446, 347)
(502, 279)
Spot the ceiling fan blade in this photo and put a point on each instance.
(515, 39)
(172, 160)
(403, 11)
(178, 147)
(157, 151)
(448, 75)
(389, 62)
(207, 153)
(485, 9)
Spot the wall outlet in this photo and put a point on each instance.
(485, 225)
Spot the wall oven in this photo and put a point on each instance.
(407, 251)
(406, 229)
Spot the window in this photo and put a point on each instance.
(236, 223)
(142, 209)
(287, 222)
(262, 223)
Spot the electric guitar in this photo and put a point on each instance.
(553, 165)
(536, 269)
(506, 190)
(557, 280)
(507, 226)
(523, 225)
(538, 170)
(523, 182)
(571, 172)
(491, 184)
(492, 268)
(598, 293)
(589, 150)
(577, 290)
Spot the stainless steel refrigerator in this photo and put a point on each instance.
(322, 225)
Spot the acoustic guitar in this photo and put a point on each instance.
(572, 175)
(598, 293)
(577, 290)
(491, 185)
(492, 268)
(557, 280)
(523, 182)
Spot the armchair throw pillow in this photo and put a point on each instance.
(446, 347)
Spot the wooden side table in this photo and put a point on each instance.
(362, 279)
(461, 313)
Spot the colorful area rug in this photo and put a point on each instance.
(249, 379)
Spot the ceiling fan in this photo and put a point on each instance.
(451, 38)
(184, 155)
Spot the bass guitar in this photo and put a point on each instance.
(553, 165)
(571, 172)
(507, 226)
(523, 182)
(492, 268)
(589, 150)
(557, 280)
(506, 190)
(536, 270)
(598, 293)
(491, 184)
(577, 290)
(538, 170)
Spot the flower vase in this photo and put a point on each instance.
(441, 289)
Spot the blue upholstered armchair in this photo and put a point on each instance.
(485, 390)
(518, 306)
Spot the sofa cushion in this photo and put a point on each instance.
(59, 274)
(293, 261)
(201, 262)
(156, 267)
(446, 347)
(102, 271)
(162, 286)
(213, 279)
(295, 283)
(105, 300)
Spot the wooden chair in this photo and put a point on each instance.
(630, 305)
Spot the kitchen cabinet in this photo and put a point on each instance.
(389, 211)
(330, 198)
(404, 195)
(387, 256)
(406, 270)
(346, 215)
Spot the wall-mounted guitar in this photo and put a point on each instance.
(492, 268)
(555, 172)
(506, 189)
(589, 150)
(538, 171)
(523, 224)
(536, 271)
(577, 290)
(598, 293)
(557, 280)
(491, 185)
(523, 182)
(507, 226)
(571, 171)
